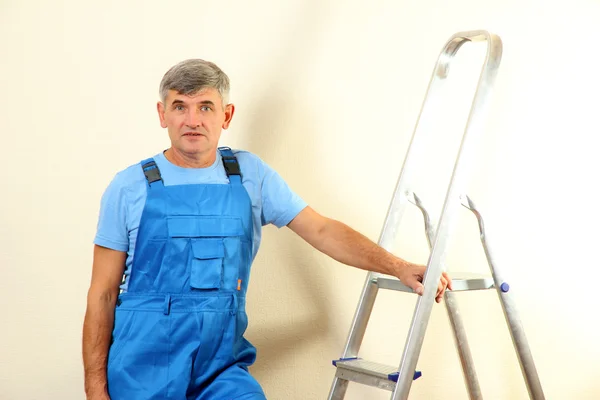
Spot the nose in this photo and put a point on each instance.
(192, 119)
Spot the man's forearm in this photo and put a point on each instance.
(350, 247)
(97, 329)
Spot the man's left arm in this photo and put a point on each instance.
(350, 247)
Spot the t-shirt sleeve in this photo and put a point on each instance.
(280, 204)
(111, 231)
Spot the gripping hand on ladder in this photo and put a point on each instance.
(399, 380)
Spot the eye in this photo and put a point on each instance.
(179, 107)
(205, 108)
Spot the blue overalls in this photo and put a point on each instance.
(179, 328)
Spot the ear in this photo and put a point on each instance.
(229, 110)
(160, 107)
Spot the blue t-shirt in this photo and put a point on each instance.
(273, 202)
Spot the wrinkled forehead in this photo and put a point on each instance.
(200, 96)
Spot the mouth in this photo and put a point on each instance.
(192, 134)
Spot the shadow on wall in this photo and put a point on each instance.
(301, 326)
(306, 321)
(269, 127)
(284, 335)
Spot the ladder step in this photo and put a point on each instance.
(368, 373)
(461, 282)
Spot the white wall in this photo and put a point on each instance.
(327, 93)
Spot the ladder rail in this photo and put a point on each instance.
(462, 346)
(357, 332)
(517, 332)
(474, 124)
(387, 236)
(389, 230)
(458, 328)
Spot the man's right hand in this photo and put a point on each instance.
(412, 276)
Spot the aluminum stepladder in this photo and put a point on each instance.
(399, 380)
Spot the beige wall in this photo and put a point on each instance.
(327, 92)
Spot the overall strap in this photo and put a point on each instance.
(231, 165)
(151, 172)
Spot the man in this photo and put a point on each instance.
(176, 236)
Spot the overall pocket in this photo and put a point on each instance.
(214, 243)
(207, 263)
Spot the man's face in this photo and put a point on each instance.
(194, 122)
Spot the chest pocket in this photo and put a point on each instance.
(206, 270)
(213, 243)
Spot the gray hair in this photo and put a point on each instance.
(191, 76)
